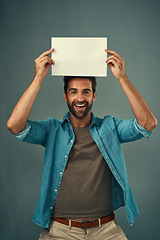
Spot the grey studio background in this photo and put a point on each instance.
(132, 29)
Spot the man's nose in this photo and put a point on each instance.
(80, 97)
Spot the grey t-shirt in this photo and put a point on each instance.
(85, 190)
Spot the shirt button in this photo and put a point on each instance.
(55, 190)
(71, 140)
(60, 173)
(51, 207)
(65, 156)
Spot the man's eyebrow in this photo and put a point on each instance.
(75, 89)
(87, 89)
(72, 89)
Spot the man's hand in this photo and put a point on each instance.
(116, 64)
(42, 64)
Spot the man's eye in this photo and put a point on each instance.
(86, 92)
(73, 92)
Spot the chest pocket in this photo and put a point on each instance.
(111, 141)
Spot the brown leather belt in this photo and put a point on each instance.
(85, 224)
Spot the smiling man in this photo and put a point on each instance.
(79, 95)
(84, 177)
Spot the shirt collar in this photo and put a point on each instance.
(94, 119)
(66, 117)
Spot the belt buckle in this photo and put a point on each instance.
(84, 222)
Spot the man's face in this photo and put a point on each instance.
(80, 97)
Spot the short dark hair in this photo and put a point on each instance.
(67, 79)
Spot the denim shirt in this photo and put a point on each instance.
(57, 137)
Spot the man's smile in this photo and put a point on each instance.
(80, 106)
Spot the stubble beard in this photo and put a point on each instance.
(79, 114)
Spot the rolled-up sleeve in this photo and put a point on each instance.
(35, 132)
(24, 133)
(130, 130)
(142, 130)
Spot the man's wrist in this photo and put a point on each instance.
(123, 79)
(38, 80)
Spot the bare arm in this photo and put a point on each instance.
(139, 106)
(20, 114)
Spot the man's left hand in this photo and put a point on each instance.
(116, 64)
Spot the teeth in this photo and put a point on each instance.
(78, 105)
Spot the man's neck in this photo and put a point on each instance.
(80, 122)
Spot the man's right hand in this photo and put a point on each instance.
(42, 64)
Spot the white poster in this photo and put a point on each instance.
(79, 56)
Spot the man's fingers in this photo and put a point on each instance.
(47, 53)
(112, 61)
(113, 57)
(110, 52)
(46, 60)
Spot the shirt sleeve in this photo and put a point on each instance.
(130, 130)
(21, 136)
(35, 132)
(142, 130)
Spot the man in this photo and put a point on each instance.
(84, 177)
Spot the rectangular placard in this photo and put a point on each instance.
(79, 56)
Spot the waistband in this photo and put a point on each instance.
(86, 224)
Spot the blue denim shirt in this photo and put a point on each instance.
(58, 138)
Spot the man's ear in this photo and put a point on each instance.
(94, 96)
(65, 96)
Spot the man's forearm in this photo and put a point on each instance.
(139, 106)
(20, 114)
